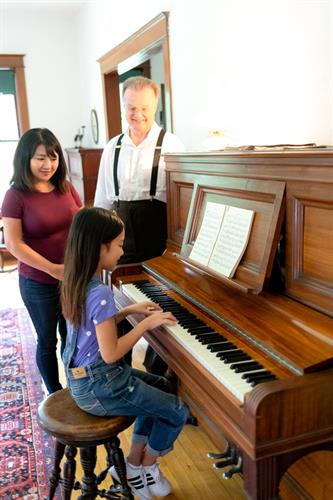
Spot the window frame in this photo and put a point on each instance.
(15, 62)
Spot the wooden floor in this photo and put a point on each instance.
(187, 466)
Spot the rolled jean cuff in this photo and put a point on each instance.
(158, 453)
(139, 438)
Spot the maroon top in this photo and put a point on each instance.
(46, 218)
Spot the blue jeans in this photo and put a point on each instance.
(43, 304)
(118, 389)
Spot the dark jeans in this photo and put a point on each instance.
(43, 304)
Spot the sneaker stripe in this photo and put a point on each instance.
(150, 479)
(135, 478)
(136, 482)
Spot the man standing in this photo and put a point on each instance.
(131, 177)
(131, 180)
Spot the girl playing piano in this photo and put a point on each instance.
(99, 380)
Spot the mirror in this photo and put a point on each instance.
(94, 126)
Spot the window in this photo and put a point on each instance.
(13, 114)
(9, 130)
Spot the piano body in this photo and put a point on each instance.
(276, 311)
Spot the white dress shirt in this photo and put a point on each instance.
(134, 168)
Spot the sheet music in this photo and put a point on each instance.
(222, 238)
(231, 241)
(209, 230)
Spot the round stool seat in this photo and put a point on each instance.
(59, 415)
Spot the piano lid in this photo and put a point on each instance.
(265, 199)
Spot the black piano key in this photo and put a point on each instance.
(247, 366)
(186, 324)
(206, 335)
(221, 347)
(232, 357)
(214, 342)
(235, 353)
(210, 339)
(249, 377)
(205, 338)
(184, 317)
(176, 309)
(262, 380)
(202, 329)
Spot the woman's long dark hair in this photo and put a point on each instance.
(91, 227)
(22, 178)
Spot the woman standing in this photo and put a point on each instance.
(37, 212)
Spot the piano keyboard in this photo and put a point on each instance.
(231, 366)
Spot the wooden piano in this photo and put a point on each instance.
(275, 311)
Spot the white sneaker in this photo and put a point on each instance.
(158, 485)
(136, 480)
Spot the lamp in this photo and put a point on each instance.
(215, 141)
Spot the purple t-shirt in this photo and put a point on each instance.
(99, 307)
(46, 219)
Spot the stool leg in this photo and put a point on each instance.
(88, 483)
(116, 457)
(55, 473)
(69, 472)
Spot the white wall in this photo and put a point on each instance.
(260, 70)
(48, 37)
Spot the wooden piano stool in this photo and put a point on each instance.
(73, 428)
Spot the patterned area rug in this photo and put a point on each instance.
(26, 451)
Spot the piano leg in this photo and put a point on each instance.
(262, 478)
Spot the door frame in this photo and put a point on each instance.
(135, 50)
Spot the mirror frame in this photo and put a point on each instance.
(136, 49)
(94, 125)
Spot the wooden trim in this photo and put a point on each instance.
(135, 50)
(15, 61)
(112, 104)
(149, 34)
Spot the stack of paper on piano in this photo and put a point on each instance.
(223, 237)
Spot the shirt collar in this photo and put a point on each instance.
(151, 136)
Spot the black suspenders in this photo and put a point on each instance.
(154, 172)
(115, 165)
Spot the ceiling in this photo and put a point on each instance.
(68, 5)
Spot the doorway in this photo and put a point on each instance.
(146, 50)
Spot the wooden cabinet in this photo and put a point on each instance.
(83, 164)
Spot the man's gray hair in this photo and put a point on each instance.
(141, 82)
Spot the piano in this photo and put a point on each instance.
(253, 354)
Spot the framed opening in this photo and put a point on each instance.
(14, 118)
(147, 48)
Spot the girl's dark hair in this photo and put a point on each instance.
(91, 227)
(22, 178)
